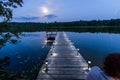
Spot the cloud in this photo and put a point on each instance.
(50, 16)
(35, 18)
(27, 18)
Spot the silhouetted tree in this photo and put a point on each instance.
(6, 8)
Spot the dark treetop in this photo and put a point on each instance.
(6, 7)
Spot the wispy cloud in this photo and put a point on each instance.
(35, 18)
(50, 16)
(27, 18)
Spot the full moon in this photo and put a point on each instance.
(44, 10)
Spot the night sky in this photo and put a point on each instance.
(66, 10)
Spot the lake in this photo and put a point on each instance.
(26, 51)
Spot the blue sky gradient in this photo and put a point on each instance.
(66, 10)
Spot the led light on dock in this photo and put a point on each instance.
(46, 62)
(46, 41)
(89, 62)
(89, 68)
(77, 49)
(54, 54)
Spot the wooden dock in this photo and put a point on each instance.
(63, 62)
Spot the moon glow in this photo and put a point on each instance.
(44, 10)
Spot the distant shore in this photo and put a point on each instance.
(112, 25)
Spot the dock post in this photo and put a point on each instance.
(77, 51)
(46, 66)
(89, 63)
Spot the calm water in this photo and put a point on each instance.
(28, 50)
(27, 55)
(95, 46)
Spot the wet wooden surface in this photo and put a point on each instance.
(64, 61)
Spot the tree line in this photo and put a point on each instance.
(94, 25)
(112, 22)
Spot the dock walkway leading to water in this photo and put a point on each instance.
(64, 62)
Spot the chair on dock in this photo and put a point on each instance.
(50, 35)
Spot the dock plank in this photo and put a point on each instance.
(64, 61)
